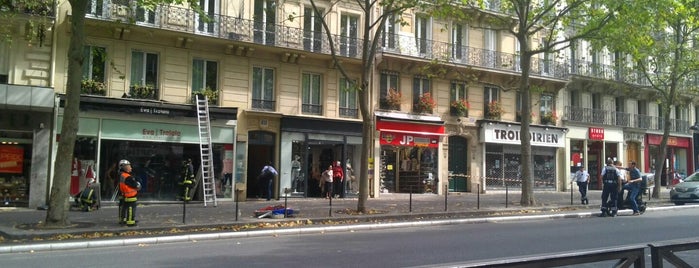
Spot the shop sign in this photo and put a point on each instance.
(508, 135)
(596, 133)
(671, 141)
(151, 110)
(404, 139)
(11, 159)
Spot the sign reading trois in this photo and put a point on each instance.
(546, 137)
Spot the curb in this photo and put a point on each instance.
(297, 231)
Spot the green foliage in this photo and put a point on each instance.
(92, 87)
(210, 94)
(142, 92)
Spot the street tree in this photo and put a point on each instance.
(376, 14)
(57, 213)
(545, 27)
(661, 37)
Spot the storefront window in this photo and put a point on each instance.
(15, 166)
(408, 169)
(503, 167)
(157, 165)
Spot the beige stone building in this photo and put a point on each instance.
(443, 95)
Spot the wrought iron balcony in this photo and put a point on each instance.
(621, 119)
(349, 112)
(315, 109)
(263, 105)
(469, 56)
(226, 27)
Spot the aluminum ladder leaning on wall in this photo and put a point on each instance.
(207, 166)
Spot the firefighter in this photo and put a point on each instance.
(187, 182)
(128, 186)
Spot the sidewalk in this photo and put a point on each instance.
(18, 225)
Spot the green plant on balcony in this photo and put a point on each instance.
(494, 110)
(393, 99)
(210, 94)
(460, 107)
(142, 92)
(425, 104)
(549, 118)
(92, 87)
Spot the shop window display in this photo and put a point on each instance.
(156, 165)
(408, 169)
(14, 174)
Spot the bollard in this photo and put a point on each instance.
(237, 198)
(410, 200)
(184, 210)
(478, 196)
(330, 209)
(571, 193)
(446, 194)
(286, 197)
(507, 195)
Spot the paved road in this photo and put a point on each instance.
(425, 245)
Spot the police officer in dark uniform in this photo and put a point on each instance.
(610, 189)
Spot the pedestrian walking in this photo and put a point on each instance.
(581, 178)
(338, 180)
(327, 180)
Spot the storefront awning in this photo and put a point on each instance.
(404, 133)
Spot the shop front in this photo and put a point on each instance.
(502, 150)
(25, 130)
(590, 147)
(678, 159)
(409, 155)
(309, 146)
(158, 139)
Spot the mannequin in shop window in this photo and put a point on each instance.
(295, 173)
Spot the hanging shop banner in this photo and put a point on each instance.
(399, 133)
(11, 159)
(596, 133)
(671, 141)
(404, 139)
(151, 131)
(510, 134)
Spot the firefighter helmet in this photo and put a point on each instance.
(124, 162)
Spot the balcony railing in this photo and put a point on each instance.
(225, 27)
(621, 119)
(349, 112)
(315, 109)
(465, 55)
(263, 105)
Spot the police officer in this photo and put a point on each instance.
(128, 186)
(610, 189)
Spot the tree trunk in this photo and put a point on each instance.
(57, 213)
(527, 198)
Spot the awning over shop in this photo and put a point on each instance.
(407, 133)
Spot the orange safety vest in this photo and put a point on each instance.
(126, 190)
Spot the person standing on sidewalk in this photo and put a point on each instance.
(634, 187)
(610, 189)
(327, 179)
(128, 186)
(581, 177)
(338, 180)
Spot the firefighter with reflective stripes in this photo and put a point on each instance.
(128, 186)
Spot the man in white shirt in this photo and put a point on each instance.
(581, 177)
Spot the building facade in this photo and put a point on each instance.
(443, 98)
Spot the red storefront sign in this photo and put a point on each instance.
(11, 159)
(409, 134)
(596, 133)
(671, 141)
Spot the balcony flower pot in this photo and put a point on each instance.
(459, 107)
(92, 87)
(494, 110)
(425, 104)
